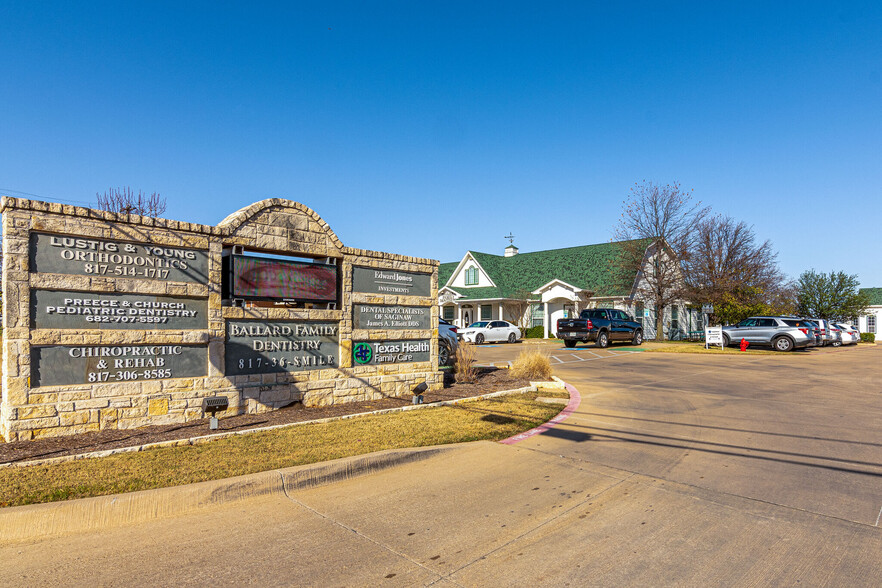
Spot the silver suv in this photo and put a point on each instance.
(768, 330)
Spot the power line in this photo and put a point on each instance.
(45, 198)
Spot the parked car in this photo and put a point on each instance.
(769, 330)
(850, 334)
(813, 329)
(487, 331)
(827, 335)
(835, 333)
(447, 343)
(601, 325)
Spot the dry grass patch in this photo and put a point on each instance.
(466, 356)
(492, 419)
(531, 364)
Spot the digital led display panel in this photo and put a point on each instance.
(257, 277)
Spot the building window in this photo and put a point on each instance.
(638, 312)
(536, 315)
(471, 277)
(448, 313)
(675, 318)
(871, 323)
(486, 312)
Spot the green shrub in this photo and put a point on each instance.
(535, 332)
(868, 337)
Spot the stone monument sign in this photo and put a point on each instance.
(120, 321)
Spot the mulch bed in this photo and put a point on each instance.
(488, 381)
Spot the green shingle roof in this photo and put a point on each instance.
(589, 267)
(875, 295)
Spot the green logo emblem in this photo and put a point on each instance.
(362, 352)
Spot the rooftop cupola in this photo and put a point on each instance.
(511, 250)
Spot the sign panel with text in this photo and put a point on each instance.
(84, 256)
(272, 347)
(67, 365)
(51, 309)
(370, 316)
(383, 281)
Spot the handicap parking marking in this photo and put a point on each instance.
(605, 354)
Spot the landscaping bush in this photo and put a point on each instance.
(868, 337)
(466, 355)
(531, 365)
(535, 332)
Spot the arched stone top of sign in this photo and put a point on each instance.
(282, 225)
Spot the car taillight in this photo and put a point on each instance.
(804, 331)
(453, 330)
(588, 324)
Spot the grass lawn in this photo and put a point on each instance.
(698, 347)
(492, 419)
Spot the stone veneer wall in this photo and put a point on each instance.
(274, 225)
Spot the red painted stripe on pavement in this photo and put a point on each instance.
(572, 405)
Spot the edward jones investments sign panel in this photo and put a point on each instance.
(383, 281)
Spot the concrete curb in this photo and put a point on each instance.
(207, 438)
(41, 521)
(572, 405)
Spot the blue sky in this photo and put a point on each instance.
(429, 128)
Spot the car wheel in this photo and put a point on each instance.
(479, 338)
(443, 353)
(638, 338)
(837, 343)
(602, 339)
(725, 341)
(570, 343)
(783, 344)
(512, 338)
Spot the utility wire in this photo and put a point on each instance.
(45, 198)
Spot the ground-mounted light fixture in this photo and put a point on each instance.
(213, 405)
(418, 392)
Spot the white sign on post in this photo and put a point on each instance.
(713, 336)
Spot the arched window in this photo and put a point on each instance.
(471, 276)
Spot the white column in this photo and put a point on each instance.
(501, 316)
(545, 318)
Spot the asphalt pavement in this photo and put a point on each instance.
(675, 469)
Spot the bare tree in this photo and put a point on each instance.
(125, 201)
(655, 233)
(730, 270)
(516, 308)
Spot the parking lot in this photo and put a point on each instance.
(675, 469)
(796, 429)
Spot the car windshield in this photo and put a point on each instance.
(478, 325)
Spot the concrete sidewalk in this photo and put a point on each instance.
(478, 514)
